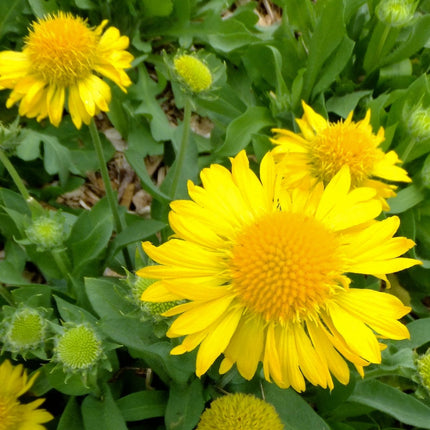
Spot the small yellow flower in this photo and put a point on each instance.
(240, 412)
(263, 270)
(61, 60)
(15, 415)
(193, 72)
(323, 148)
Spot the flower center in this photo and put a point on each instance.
(79, 348)
(344, 144)
(285, 265)
(10, 414)
(62, 49)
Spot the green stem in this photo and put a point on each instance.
(61, 264)
(33, 204)
(408, 150)
(382, 41)
(183, 148)
(113, 204)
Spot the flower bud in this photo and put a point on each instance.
(78, 348)
(419, 123)
(193, 73)
(396, 13)
(423, 366)
(47, 232)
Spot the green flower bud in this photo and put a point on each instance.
(47, 232)
(193, 73)
(423, 366)
(419, 123)
(23, 331)
(396, 13)
(78, 348)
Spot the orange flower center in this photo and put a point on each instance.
(62, 49)
(285, 265)
(351, 144)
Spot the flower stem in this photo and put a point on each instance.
(33, 204)
(183, 148)
(113, 204)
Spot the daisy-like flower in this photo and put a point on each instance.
(322, 148)
(15, 415)
(263, 271)
(61, 60)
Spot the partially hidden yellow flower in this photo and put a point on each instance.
(240, 411)
(263, 271)
(61, 62)
(323, 147)
(15, 415)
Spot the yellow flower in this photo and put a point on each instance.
(322, 148)
(240, 412)
(263, 272)
(60, 59)
(13, 414)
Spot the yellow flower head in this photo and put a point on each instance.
(240, 412)
(323, 148)
(13, 414)
(193, 72)
(263, 271)
(62, 58)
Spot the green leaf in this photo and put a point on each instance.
(328, 34)
(102, 413)
(43, 7)
(241, 129)
(420, 334)
(343, 105)
(185, 405)
(107, 297)
(8, 11)
(72, 313)
(392, 401)
(71, 418)
(293, 409)
(420, 34)
(143, 405)
(333, 66)
(90, 235)
(405, 199)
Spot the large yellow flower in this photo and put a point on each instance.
(60, 59)
(15, 415)
(322, 148)
(263, 271)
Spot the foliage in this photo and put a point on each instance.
(266, 58)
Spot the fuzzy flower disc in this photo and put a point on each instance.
(240, 412)
(263, 273)
(26, 329)
(193, 72)
(15, 415)
(61, 61)
(78, 348)
(323, 148)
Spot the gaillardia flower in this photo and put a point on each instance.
(240, 411)
(14, 415)
(322, 148)
(263, 271)
(61, 60)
